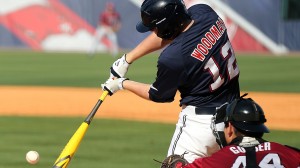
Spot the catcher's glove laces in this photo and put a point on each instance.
(173, 161)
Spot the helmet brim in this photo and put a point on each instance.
(140, 27)
(248, 127)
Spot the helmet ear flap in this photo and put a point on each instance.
(229, 111)
(221, 113)
(230, 108)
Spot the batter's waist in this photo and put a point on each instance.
(203, 110)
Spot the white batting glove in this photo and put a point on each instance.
(113, 85)
(119, 68)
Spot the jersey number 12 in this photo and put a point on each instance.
(213, 67)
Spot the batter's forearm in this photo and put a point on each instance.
(137, 88)
(148, 45)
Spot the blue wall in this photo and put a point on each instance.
(7, 39)
(266, 15)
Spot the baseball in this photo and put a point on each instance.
(32, 157)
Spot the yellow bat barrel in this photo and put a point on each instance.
(66, 155)
(71, 147)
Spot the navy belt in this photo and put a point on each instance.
(205, 110)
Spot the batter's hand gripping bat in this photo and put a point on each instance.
(68, 152)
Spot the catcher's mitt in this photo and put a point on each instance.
(174, 161)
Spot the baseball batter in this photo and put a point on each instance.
(199, 62)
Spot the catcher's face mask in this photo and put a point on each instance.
(218, 125)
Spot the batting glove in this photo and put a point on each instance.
(119, 68)
(113, 85)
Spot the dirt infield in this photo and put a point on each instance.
(282, 110)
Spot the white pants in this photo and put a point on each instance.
(111, 36)
(193, 136)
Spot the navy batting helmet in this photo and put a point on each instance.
(244, 114)
(169, 17)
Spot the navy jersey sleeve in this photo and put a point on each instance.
(169, 74)
(164, 88)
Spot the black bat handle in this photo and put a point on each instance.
(90, 117)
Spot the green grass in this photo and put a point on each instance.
(258, 73)
(107, 143)
(64, 69)
(270, 73)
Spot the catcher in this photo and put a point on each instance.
(238, 128)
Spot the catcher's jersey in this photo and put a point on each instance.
(199, 63)
(268, 154)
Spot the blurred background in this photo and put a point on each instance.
(46, 61)
(68, 25)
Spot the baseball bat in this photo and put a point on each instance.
(69, 150)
